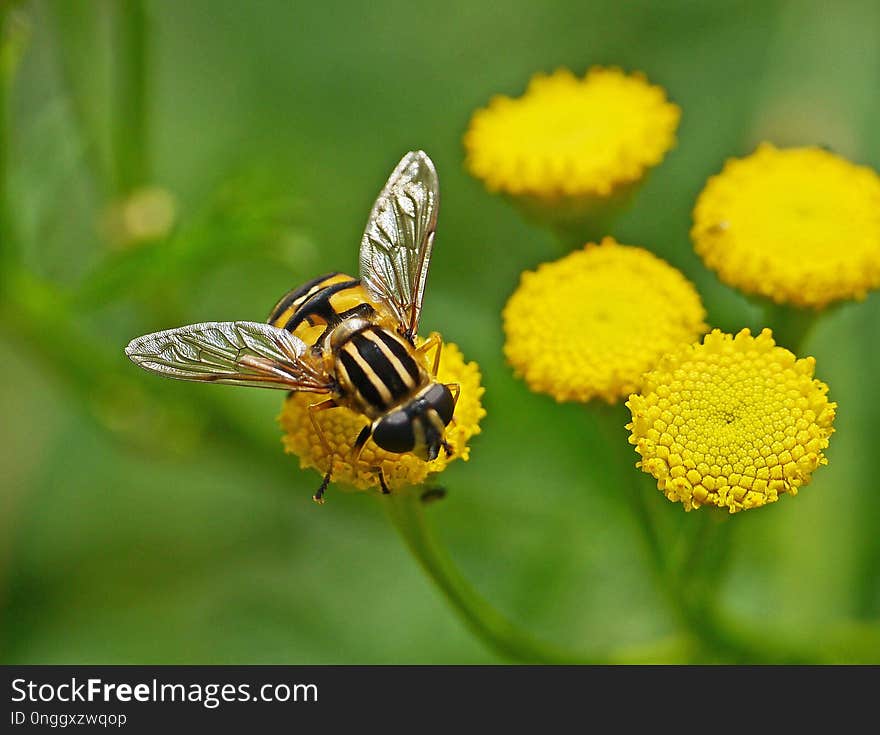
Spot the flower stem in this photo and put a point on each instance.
(573, 235)
(13, 37)
(791, 326)
(689, 588)
(406, 512)
(5, 79)
(576, 221)
(690, 580)
(74, 27)
(130, 141)
(611, 421)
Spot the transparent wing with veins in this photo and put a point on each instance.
(396, 246)
(236, 353)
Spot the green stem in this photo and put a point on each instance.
(690, 581)
(689, 592)
(13, 37)
(791, 326)
(706, 552)
(75, 26)
(612, 421)
(578, 220)
(574, 234)
(5, 83)
(406, 512)
(131, 114)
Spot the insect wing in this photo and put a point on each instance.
(396, 246)
(237, 353)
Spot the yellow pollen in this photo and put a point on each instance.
(570, 137)
(590, 324)
(734, 422)
(799, 226)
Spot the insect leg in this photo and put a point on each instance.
(382, 483)
(318, 497)
(432, 343)
(358, 447)
(455, 389)
(361, 440)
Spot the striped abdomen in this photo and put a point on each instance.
(324, 300)
(376, 370)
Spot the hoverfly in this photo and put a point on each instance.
(365, 358)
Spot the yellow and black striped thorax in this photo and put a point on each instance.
(376, 370)
(327, 299)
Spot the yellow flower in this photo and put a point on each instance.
(799, 226)
(568, 138)
(589, 325)
(733, 422)
(341, 427)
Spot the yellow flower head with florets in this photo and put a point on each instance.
(799, 226)
(341, 427)
(734, 422)
(571, 137)
(590, 324)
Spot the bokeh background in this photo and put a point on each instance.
(146, 521)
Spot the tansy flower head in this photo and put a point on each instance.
(798, 225)
(589, 325)
(733, 422)
(341, 427)
(567, 138)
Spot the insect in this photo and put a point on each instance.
(365, 358)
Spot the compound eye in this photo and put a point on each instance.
(441, 400)
(394, 433)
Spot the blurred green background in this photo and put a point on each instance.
(146, 521)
